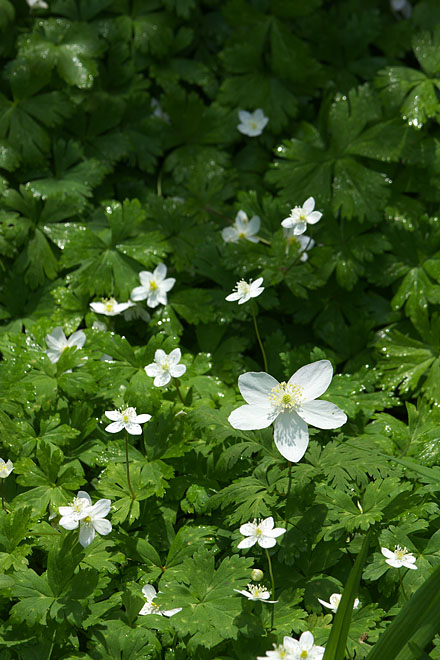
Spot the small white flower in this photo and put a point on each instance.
(126, 419)
(37, 4)
(154, 286)
(5, 468)
(302, 243)
(242, 228)
(290, 405)
(151, 607)
(110, 307)
(256, 592)
(293, 649)
(165, 367)
(403, 6)
(335, 599)
(252, 123)
(279, 652)
(158, 111)
(399, 557)
(244, 291)
(90, 518)
(301, 216)
(261, 532)
(137, 312)
(58, 343)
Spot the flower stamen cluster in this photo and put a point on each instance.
(286, 396)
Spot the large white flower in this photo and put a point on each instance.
(303, 648)
(110, 307)
(252, 123)
(165, 367)
(256, 592)
(151, 607)
(242, 228)
(244, 291)
(126, 419)
(290, 405)
(58, 342)
(301, 216)
(399, 557)
(5, 468)
(261, 532)
(90, 518)
(154, 286)
(335, 599)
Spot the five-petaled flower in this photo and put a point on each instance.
(256, 592)
(5, 468)
(399, 557)
(58, 342)
(335, 599)
(90, 518)
(154, 286)
(151, 607)
(290, 405)
(244, 291)
(252, 123)
(261, 532)
(110, 307)
(126, 419)
(293, 649)
(165, 367)
(242, 228)
(301, 216)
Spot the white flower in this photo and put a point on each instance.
(137, 312)
(154, 287)
(280, 652)
(252, 123)
(256, 592)
(58, 343)
(302, 243)
(37, 4)
(301, 216)
(335, 599)
(165, 367)
(292, 649)
(5, 468)
(90, 518)
(242, 228)
(399, 557)
(261, 532)
(402, 5)
(158, 111)
(290, 405)
(151, 607)
(244, 291)
(126, 419)
(110, 307)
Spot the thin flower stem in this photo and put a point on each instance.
(401, 584)
(176, 383)
(273, 585)
(299, 255)
(127, 464)
(263, 353)
(159, 182)
(3, 494)
(221, 215)
(289, 485)
(263, 240)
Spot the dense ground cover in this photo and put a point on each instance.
(121, 149)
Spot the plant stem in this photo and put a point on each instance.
(289, 485)
(176, 383)
(3, 494)
(127, 465)
(221, 215)
(401, 584)
(263, 240)
(254, 316)
(273, 585)
(299, 255)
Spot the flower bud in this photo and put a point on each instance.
(257, 574)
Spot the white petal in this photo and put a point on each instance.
(244, 115)
(257, 282)
(250, 417)
(314, 217)
(97, 307)
(314, 378)
(68, 523)
(275, 533)
(178, 370)
(113, 415)
(248, 529)
(308, 205)
(145, 277)
(168, 284)
(171, 612)
(82, 495)
(291, 436)
(162, 379)
(160, 356)
(133, 429)
(149, 591)
(139, 293)
(254, 225)
(232, 297)
(328, 605)
(306, 639)
(322, 414)
(86, 535)
(77, 339)
(153, 369)
(160, 272)
(247, 543)
(114, 427)
(230, 235)
(174, 356)
(266, 541)
(153, 298)
(102, 526)
(56, 339)
(255, 387)
(53, 355)
(387, 553)
(266, 525)
(142, 419)
(299, 228)
(100, 509)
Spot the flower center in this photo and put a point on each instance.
(128, 414)
(79, 504)
(109, 304)
(165, 366)
(87, 519)
(243, 288)
(153, 285)
(400, 552)
(304, 654)
(242, 235)
(254, 124)
(286, 396)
